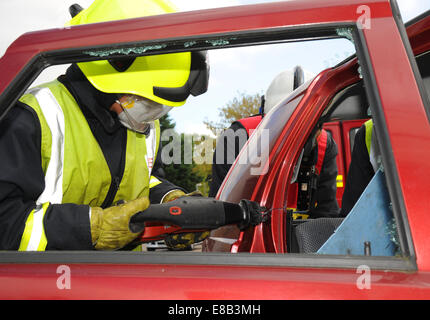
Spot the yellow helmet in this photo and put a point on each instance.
(167, 78)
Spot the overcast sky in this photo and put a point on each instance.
(232, 71)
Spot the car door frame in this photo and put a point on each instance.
(54, 49)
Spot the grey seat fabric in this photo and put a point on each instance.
(313, 233)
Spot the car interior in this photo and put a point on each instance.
(342, 117)
(348, 110)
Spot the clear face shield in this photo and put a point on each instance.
(138, 112)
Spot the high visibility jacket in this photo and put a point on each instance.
(364, 163)
(372, 145)
(74, 165)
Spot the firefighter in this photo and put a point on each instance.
(365, 161)
(80, 154)
(324, 202)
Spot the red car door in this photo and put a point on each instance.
(392, 82)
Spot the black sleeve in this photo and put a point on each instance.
(359, 174)
(157, 193)
(227, 149)
(22, 182)
(326, 203)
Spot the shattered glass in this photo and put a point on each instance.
(391, 230)
(218, 42)
(190, 44)
(347, 33)
(124, 51)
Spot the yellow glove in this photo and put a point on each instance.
(175, 194)
(183, 241)
(109, 227)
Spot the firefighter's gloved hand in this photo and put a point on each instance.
(109, 227)
(175, 194)
(183, 241)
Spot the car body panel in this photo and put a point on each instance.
(181, 282)
(409, 154)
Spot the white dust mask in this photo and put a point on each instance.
(138, 112)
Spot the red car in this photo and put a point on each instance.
(390, 73)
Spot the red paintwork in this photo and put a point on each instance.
(408, 129)
(203, 282)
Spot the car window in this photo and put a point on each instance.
(350, 109)
(346, 112)
(302, 234)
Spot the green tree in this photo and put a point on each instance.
(166, 123)
(182, 174)
(242, 106)
(203, 155)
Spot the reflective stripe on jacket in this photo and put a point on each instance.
(73, 162)
(372, 145)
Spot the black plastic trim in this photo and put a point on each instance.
(216, 259)
(121, 64)
(196, 84)
(74, 10)
(299, 77)
(173, 94)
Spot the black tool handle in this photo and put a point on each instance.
(191, 213)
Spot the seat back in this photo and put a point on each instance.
(310, 235)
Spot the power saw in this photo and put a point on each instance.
(194, 214)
